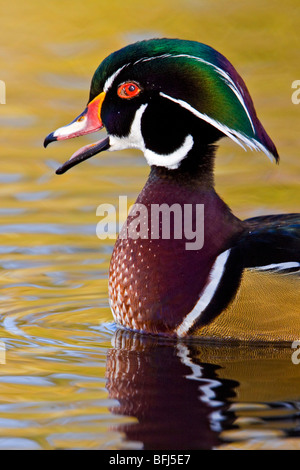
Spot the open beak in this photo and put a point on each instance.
(88, 121)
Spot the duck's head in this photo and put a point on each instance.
(165, 97)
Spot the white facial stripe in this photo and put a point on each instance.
(111, 79)
(207, 295)
(172, 161)
(224, 75)
(237, 93)
(72, 128)
(135, 140)
(234, 135)
(237, 137)
(147, 59)
(228, 80)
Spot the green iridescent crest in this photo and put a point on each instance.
(195, 76)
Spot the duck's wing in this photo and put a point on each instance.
(266, 305)
(271, 243)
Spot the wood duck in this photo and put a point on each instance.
(173, 100)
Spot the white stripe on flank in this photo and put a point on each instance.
(234, 135)
(278, 266)
(207, 295)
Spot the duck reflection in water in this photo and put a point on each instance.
(179, 402)
(193, 395)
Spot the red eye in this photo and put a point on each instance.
(128, 90)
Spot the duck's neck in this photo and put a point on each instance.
(196, 170)
(193, 183)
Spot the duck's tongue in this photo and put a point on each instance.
(83, 154)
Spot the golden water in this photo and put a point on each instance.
(67, 378)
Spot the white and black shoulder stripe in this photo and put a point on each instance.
(224, 279)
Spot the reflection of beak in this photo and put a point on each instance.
(87, 122)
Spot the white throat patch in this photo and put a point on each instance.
(135, 140)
